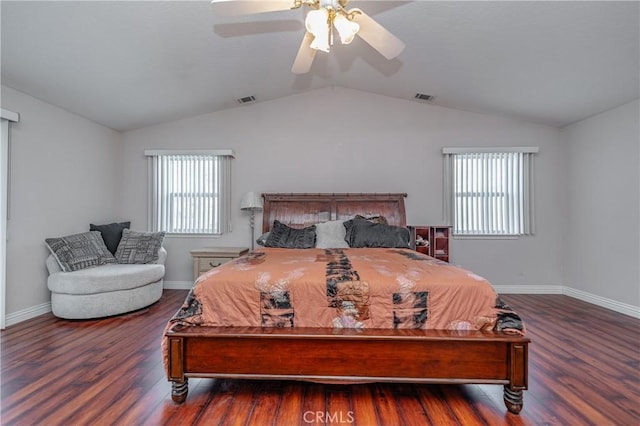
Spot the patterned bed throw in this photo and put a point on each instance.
(351, 288)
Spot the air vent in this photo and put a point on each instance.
(246, 99)
(423, 97)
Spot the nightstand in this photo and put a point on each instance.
(210, 257)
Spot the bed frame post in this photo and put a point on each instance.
(513, 392)
(179, 383)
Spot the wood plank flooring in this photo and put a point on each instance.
(584, 368)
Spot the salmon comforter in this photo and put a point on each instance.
(345, 288)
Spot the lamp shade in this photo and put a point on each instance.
(317, 23)
(346, 28)
(251, 201)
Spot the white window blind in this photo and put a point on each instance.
(489, 191)
(190, 191)
(6, 117)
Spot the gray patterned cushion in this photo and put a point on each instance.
(139, 247)
(80, 251)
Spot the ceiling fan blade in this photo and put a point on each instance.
(378, 36)
(304, 58)
(248, 7)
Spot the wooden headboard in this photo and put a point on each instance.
(300, 210)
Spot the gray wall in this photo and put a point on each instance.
(342, 140)
(67, 172)
(63, 175)
(602, 224)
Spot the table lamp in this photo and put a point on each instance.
(252, 202)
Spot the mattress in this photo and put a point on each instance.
(376, 288)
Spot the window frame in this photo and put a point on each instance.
(521, 212)
(221, 189)
(6, 117)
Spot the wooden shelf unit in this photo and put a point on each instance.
(437, 237)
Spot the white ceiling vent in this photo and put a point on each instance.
(246, 99)
(423, 97)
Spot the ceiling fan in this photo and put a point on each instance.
(324, 18)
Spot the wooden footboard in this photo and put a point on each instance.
(348, 355)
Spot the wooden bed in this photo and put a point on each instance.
(336, 355)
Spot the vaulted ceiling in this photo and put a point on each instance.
(129, 64)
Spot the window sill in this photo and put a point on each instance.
(192, 236)
(486, 237)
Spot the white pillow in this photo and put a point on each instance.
(331, 234)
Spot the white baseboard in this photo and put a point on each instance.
(28, 313)
(177, 285)
(529, 289)
(623, 308)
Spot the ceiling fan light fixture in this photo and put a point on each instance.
(346, 29)
(323, 19)
(317, 23)
(330, 4)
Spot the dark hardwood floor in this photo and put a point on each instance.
(584, 368)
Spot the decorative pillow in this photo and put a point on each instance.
(262, 239)
(363, 233)
(111, 233)
(80, 251)
(139, 247)
(374, 219)
(283, 236)
(331, 234)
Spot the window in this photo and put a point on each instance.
(190, 191)
(489, 191)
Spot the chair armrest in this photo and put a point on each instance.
(162, 256)
(52, 265)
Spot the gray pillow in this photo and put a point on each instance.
(283, 236)
(331, 234)
(139, 247)
(363, 233)
(111, 233)
(262, 239)
(374, 219)
(80, 251)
